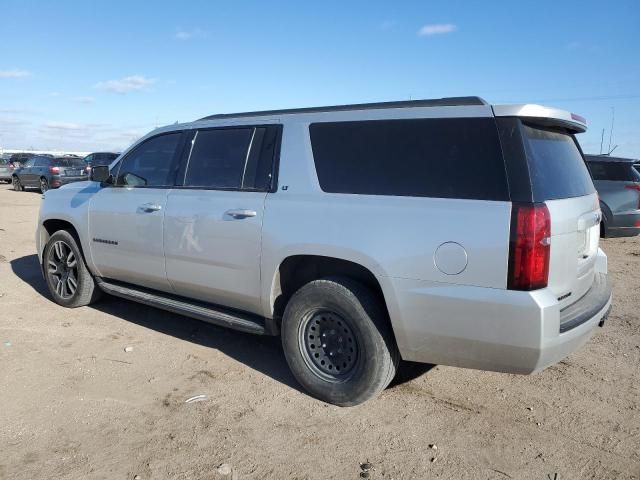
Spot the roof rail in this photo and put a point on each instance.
(437, 102)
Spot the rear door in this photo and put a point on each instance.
(560, 178)
(126, 220)
(26, 173)
(40, 169)
(213, 219)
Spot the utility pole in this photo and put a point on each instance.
(613, 117)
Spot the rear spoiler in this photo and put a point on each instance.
(551, 117)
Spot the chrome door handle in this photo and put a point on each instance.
(149, 208)
(239, 213)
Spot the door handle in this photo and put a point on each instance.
(239, 213)
(149, 208)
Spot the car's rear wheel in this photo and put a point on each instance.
(17, 186)
(69, 281)
(338, 341)
(44, 185)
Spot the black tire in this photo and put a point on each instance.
(44, 184)
(17, 186)
(70, 282)
(334, 371)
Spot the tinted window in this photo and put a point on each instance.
(103, 158)
(449, 158)
(150, 164)
(28, 163)
(218, 158)
(67, 162)
(620, 172)
(556, 166)
(41, 162)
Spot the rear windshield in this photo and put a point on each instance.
(556, 166)
(445, 158)
(68, 162)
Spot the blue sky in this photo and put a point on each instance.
(94, 75)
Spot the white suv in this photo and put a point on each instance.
(444, 231)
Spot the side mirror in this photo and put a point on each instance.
(101, 173)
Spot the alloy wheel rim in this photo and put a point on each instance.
(62, 269)
(329, 345)
(43, 185)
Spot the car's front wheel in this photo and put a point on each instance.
(69, 281)
(338, 342)
(17, 186)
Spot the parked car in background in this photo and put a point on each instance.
(100, 158)
(6, 170)
(45, 172)
(445, 231)
(618, 183)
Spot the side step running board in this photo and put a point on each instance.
(244, 322)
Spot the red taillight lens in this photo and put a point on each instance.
(529, 248)
(54, 169)
(637, 188)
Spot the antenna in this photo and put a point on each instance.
(613, 117)
(611, 151)
(601, 140)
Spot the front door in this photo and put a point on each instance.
(126, 220)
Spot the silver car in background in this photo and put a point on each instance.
(618, 183)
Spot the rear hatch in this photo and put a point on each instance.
(70, 167)
(560, 178)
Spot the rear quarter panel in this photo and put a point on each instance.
(394, 237)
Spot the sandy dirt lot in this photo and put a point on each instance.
(74, 404)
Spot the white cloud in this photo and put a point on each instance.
(65, 126)
(84, 100)
(126, 85)
(14, 73)
(436, 29)
(189, 34)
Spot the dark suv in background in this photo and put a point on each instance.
(100, 158)
(49, 172)
(618, 183)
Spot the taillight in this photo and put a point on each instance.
(55, 170)
(637, 188)
(529, 247)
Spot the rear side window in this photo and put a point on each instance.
(556, 166)
(232, 158)
(150, 164)
(618, 172)
(218, 158)
(446, 158)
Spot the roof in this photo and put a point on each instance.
(436, 102)
(607, 158)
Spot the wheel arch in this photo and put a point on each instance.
(296, 270)
(51, 226)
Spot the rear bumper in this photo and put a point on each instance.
(625, 225)
(58, 181)
(492, 329)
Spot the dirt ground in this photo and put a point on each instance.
(75, 404)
